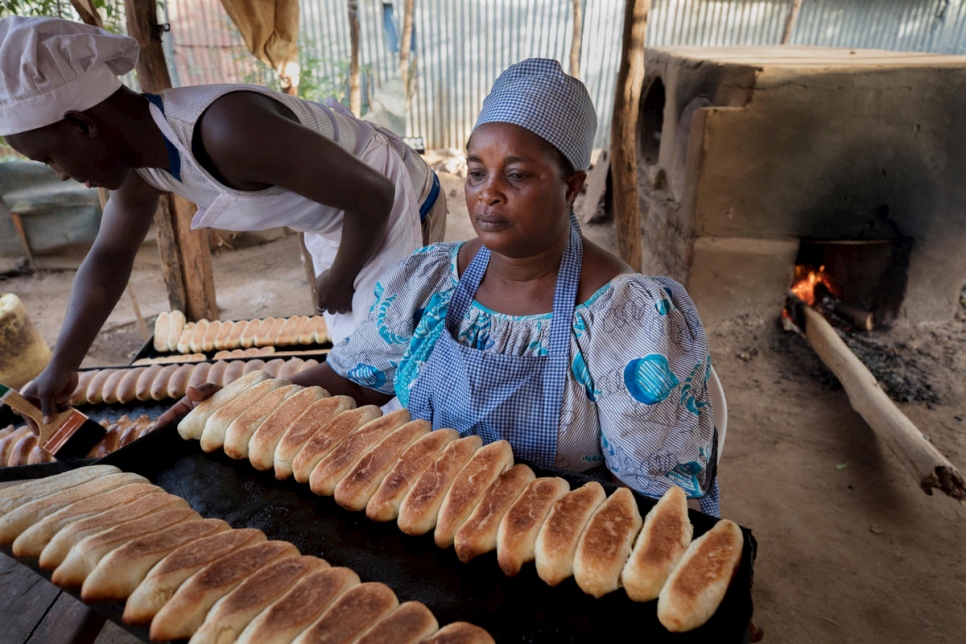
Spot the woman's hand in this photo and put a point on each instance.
(192, 396)
(51, 390)
(334, 292)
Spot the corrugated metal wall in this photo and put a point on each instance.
(461, 46)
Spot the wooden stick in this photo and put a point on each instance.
(917, 454)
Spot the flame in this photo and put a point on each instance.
(806, 279)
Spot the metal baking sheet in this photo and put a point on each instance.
(303, 351)
(521, 609)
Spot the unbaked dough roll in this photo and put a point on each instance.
(290, 367)
(419, 511)
(308, 364)
(478, 534)
(178, 382)
(95, 389)
(233, 371)
(79, 397)
(142, 389)
(350, 614)
(468, 488)
(557, 541)
(662, 542)
(161, 330)
(127, 388)
(253, 365)
(109, 388)
(308, 599)
(261, 447)
(216, 374)
(357, 487)
(159, 386)
(39, 455)
(313, 419)
(606, 543)
(518, 530)
(274, 368)
(698, 584)
(167, 576)
(384, 504)
(199, 375)
(8, 442)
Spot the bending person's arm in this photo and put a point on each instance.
(98, 286)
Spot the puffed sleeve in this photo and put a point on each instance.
(371, 355)
(647, 358)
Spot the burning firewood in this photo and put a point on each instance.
(930, 468)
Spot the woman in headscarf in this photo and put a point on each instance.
(531, 333)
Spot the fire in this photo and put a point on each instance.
(806, 279)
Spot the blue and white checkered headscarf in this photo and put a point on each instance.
(538, 96)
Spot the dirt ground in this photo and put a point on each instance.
(850, 550)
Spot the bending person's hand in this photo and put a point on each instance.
(51, 390)
(192, 396)
(334, 292)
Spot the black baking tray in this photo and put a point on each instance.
(147, 350)
(520, 609)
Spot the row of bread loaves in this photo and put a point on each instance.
(173, 333)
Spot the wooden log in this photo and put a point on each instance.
(929, 467)
(87, 12)
(623, 142)
(355, 93)
(790, 20)
(576, 38)
(185, 253)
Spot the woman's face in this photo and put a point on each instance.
(516, 193)
(73, 153)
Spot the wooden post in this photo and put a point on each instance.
(790, 20)
(405, 44)
(929, 467)
(623, 143)
(355, 94)
(185, 254)
(87, 12)
(577, 36)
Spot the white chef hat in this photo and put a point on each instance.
(50, 66)
(538, 96)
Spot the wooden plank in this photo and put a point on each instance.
(25, 598)
(185, 254)
(68, 620)
(623, 140)
(596, 185)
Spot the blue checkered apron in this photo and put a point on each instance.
(497, 396)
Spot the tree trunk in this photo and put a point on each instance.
(790, 20)
(623, 143)
(405, 44)
(87, 12)
(577, 36)
(185, 254)
(355, 94)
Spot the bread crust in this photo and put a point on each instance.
(471, 483)
(518, 530)
(660, 545)
(211, 333)
(478, 533)
(126, 389)
(95, 388)
(262, 444)
(419, 511)
(193, 424)
(316, 432)
(142, 389)
(79, 397)
(213, 435)
(384, 504)
(178, 382)
(606, 543)
(109, 390)
(159, 386)
(167, 576)
(176, 325)
(16, 495)
(329, 471)
(241, 429)
(460, 633)
(351, 613)
(274, 368)
(409, 623)
(216, 374)
(359, 484)
(161, 329)
(557, 540)
(199, 375)
(224, 333)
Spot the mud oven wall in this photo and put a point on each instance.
(743, 152)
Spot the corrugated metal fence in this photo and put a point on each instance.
(461, 46)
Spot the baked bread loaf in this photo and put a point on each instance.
(32, 541)
(281, 622)
(109, 390)
(290, 367)
(233, 371)
(120, 571)
(229, 617)
(273, 367)
(184, 340)
(216, 374)
(606, 543)
(384, 503)
(557, 540)
(478, 534)
(211, 334)
(16, 495)
(20, 452)
(350, 614)
(409, 623)
(698, 584)
(79, 397)
(307, 441)
(168, 575)
(240, 431)
(178, 382)
(253, 365)
(261, 446)
(61, 543)
(419, 511)
(337, 463)
(224, 333)
(19, 519)
(186, 610)
(198, 337)
(127, 387)
(662, 542)
(159, 386)
(199, 375)
(84, 555)
(518, 530)
(249, 333)
(471, 483)
(161, 329)
(193, 424)
(95, 386)
(287, 337)
(357, 487)
(460, 633)
(142, 389)
(8, 441)
(213, 435)
(39, 455)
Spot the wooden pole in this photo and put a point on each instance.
(185, 254)
(355, 93)
(790, 20)
(623, 144)
(930, 468)
(577, 37)
(87, 12)
(405, 44)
